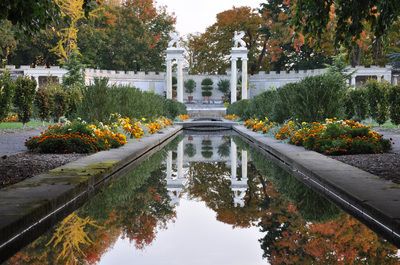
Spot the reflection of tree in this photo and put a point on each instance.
(206, 149)
(70, 235)
(292, 237)
(211, 183)
(224, 148)
(190, 150)
(135, 206)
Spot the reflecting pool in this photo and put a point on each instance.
(208, 199)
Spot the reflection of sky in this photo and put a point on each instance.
(195, 238)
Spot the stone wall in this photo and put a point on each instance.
(152, 81)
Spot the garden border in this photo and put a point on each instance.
(30, 207)
(375, 201)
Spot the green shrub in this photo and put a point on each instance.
(317, 98)
(190, 86)
(173, 108)
(6, 94)
(377, 93)
(60, 99)
(224, 87)
(356, 104)
(207, 87)
(74, 99)
(240, 108)
(99, 101)
(43, 104)
(394, 103)
(25, 89)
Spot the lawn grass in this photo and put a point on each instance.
(387, 125)
(18, 125)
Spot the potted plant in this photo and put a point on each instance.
(190, 86)
(207, 87)
(223, 86)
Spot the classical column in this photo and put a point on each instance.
(244, 78)
(37, 81)
(244, 165)
(179, 159)
(395, 79)
(233, 160)
(180, 81)
(233, 80)
(169, 79)
(169, 165)
(353, 80)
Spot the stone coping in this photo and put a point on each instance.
(38, 202)
(222, 123)
(375, 201)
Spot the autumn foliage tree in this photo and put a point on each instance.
(209, 52)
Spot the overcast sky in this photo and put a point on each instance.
(196, 15)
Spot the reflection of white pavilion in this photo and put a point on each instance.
(238, 185)
(176, 181)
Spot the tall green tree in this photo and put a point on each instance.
(130, 36)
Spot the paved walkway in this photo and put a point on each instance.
(12, 143)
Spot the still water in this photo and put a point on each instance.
(208, 199)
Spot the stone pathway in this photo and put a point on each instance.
(12, 142)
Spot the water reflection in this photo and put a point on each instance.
(189, 197)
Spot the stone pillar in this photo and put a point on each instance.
(233, 80)
(395, 80)
(37, 81)
(244, 165)
(244, 78)
(179, 161)
(169, 165)
(168, 85)
(233, 160)
(353, 80)
(180, 81)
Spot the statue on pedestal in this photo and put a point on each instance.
(174, 40)
(238, 39)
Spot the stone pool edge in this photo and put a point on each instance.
(39, 201)
(374, 200)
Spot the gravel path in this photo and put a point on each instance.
(394, 136)
(386, 165)
(18, 167)
(12, 141)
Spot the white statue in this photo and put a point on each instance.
(174, 40)
(238, 39)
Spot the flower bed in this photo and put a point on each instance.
(80, 137)
(334, 137)
(232, 117)
(183, 117)
(75, 137)
(257, 125)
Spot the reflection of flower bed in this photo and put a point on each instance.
(334, 137)
(75, 137)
